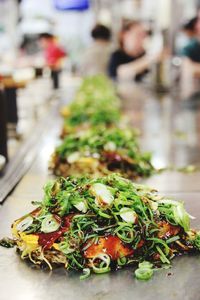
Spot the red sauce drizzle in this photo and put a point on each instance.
(111, 245)
(140, 244)
(46, 240)
(66, 221)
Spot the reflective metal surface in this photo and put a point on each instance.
(159, 118)
(26, 154)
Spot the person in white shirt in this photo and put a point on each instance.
(95, 58)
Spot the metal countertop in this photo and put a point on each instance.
(19, 281)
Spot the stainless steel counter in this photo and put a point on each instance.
(158, 118)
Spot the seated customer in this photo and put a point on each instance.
(130, 61)
(95, 59)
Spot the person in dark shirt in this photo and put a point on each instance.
(190, 67)
(191, 53)
(192, 48)
(119, 57)
(130, 60)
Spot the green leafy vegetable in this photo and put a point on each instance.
(101, 151)
(49, 224)
(86, 274)
(95, 104)
(145, 271)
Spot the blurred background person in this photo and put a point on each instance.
(189, 28)
(192, 48)
(53, 54)
(190, 73)
(130, 61)
(186, 34)
(95, 58)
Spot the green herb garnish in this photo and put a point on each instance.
(96, 225)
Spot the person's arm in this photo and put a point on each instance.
(191, 67)
(130, 70)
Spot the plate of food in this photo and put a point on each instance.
(95, 103)
(100, 151)
(103, 225)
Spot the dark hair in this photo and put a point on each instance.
(46, 35)
(190, 25)
(126, 26)
(101, 32)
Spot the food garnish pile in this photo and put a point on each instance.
(96, 140)
(101, 151)
(95, 104)
(98, 225)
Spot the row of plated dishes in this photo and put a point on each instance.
(93, 218)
